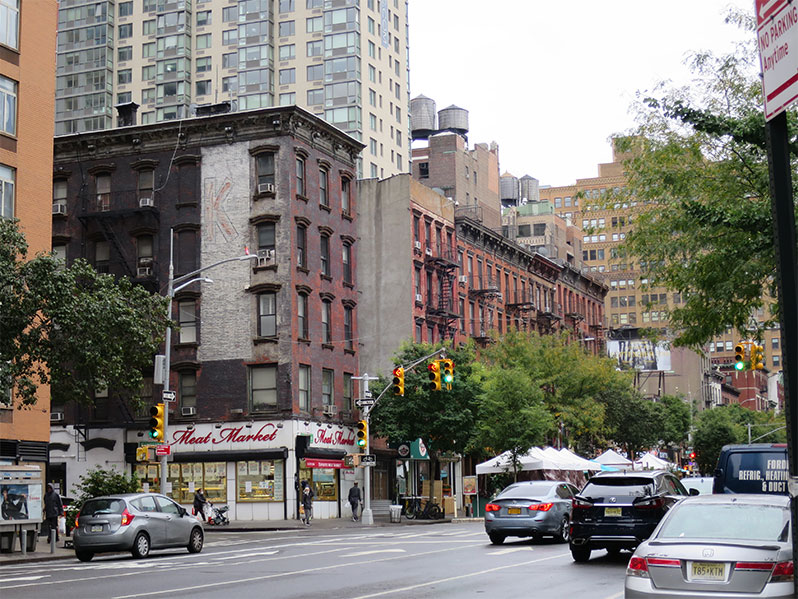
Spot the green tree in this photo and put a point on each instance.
(640, 426)
(676, 420)
(96, 483)
(714, 429)
(697, 168)
(71, 327)
(512, 416)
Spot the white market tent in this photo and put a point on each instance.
(585, 464)
(503, 463)
(613, 458)
(537, 459)
(651, 462)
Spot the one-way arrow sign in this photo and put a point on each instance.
(362, 403)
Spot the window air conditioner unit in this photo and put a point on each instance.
(265, 187)
(428, 252)
(419, 299)
(145, 201)
(144, 271)
(59, 209)
(417, 245)
(265, 256)
(145, 261)
(188, 411)
(463, 278)
(330, 410)
(56, 416)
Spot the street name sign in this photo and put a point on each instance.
(168, 395)
(368, 459)
(777, 39)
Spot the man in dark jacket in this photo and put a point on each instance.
(307, 502)
(199, 504)
(53, 509)
(354, 500)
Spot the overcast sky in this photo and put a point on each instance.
(550, 81)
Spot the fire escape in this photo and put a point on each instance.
(486, 291)
(442, 309)
(520, 305)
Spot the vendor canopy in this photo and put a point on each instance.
(537, 459)
(612, 458)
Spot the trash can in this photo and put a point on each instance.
(396, 513)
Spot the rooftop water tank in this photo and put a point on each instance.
(453, 119)
(530, 188)
(422, 117)
(508, 190)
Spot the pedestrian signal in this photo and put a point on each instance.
(434, 369)
(399, 381)
(157, 431)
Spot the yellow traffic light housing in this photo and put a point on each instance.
(142, 454)
(362, 434)
(757, 357)
(434, 369)
(157, 432)
(739, 356)
(399, 381)
(447, 375)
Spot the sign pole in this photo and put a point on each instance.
(367, 517)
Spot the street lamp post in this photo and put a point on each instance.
(173, 286)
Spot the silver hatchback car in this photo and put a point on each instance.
(135, 522)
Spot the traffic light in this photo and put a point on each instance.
(434, 375)
(362, 433)
(739, 356)
(157, 431)
(757, 357)
(399, 381)
(448, 373)
(692, 455)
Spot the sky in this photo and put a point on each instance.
(551, 80)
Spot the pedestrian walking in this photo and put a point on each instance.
(53, 510)
(199, 504)
(307, 502)
(354, 500)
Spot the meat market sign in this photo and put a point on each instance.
(777, 38)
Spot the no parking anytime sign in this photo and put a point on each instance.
(777, 38)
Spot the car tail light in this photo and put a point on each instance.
(77, 517)
(653, 503)
(637, 567)
(581, 503)
(540, 507)
(492, 507)
(783, 572)
(756, 566)
(127, 517)
(663, 562)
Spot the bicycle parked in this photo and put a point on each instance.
(412, 508)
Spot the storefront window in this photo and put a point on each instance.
(323, 480)
(260, 480)
(187, 478)
(148, 475)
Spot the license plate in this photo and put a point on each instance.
(513, 510)
(707, 571)
(612, 511)
(97, 528)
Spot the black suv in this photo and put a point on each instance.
(619, 510)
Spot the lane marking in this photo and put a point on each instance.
(452, 578)
(246, 555)
(509, 550)
(359, 553)
(25, 578)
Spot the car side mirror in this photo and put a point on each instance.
(695, 492)
(183, 511)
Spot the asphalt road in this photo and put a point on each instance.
(438, 561)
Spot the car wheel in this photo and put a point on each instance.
(563, 535)
(141, 546)
(195, 541)
(84, 556)
(580, 554)
(496, 539)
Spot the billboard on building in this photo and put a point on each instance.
(640, 354)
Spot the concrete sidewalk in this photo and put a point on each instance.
(42, 552)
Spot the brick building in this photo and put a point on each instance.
(264, 355)
(27, 87)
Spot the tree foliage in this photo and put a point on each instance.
(71, 327)
(96, 483)
(697, 169)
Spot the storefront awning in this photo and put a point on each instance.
(279, 453)
(323, 453)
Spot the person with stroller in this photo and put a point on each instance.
(200, 503)
(354, 500)
(307, 502)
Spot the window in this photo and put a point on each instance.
(265, 166)
(346, 186)
(287, 6)
(146, 177)
(125, 31)
(124, 97)
(148, 50)
(8, 177)
(314, 48)
(203, 87)
(203, 41)
(267, 315)
(327, 382)
(230, 60)
(188, 389)
(229, 13)
(347, 263)
(124, 76)
(203, 64)
(288, 99)
(314, 4)
(125, 9)
(314, 25)
(300, 176)
(347, 398)
(348, 334)
(302, 315)
(315, 72)
(203, 18)
(259, 480)
(304, 388)
(148, 73)
(286, 28)
(125, 53)
(8, 104)
(315, 96)
(59, 194)
(262, 388)
(301, 245)
(187, 320)
(324, 255)
(288, 52)
(266, 232)
(324, 198)
(287, 76)
(326, 324)
(9, 23)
